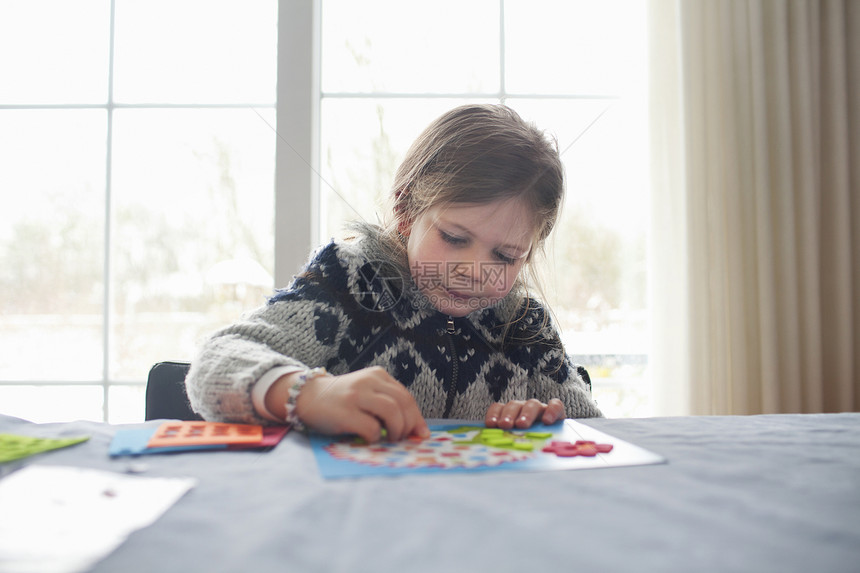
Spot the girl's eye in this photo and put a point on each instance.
(505, 258)
(451, 238)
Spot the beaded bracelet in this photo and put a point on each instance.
(292, 418)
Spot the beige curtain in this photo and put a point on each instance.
(755, 110)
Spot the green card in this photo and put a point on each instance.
(14, 447)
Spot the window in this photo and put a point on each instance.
(578, 70)
(140, 206)
(138, 200)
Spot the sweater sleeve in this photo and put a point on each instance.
(554, 374)
(575, 392)
(295, 328)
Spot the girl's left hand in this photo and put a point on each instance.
(522, 414)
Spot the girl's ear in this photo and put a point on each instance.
(404, 227)
(404, 224)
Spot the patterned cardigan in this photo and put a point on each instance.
(352, 308)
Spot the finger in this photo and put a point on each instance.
(415, 425)
(413, 421)
(380, 375)
(365, 426)
(385, 409)
(529, 413)
(510, 411)
(373, 393)
(494, 413)
(554, 412)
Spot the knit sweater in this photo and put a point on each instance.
(355, 305)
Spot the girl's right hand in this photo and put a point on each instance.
(361, 402)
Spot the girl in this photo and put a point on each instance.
(425, 317)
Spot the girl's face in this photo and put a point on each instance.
(466, 257)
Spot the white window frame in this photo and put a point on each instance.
(297, 165)
(299, 98)
(302, 31)
(289, 245)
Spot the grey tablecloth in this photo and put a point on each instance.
(759, 493)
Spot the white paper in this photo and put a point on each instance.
(56, 519)
(623, 453)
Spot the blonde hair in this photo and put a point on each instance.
(478, 154)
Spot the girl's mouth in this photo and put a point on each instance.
(458, 295)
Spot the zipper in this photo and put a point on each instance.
(452, 390)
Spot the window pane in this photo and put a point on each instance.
(363, 142)
(54, 51)
(446, 46)
(575, 47)
(597, 259)
(42, 404)
(201, 51)
(51, 244)
(193, 229)
(127, 404)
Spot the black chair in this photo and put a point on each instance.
(165, 392)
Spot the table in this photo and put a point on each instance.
(753, 493)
